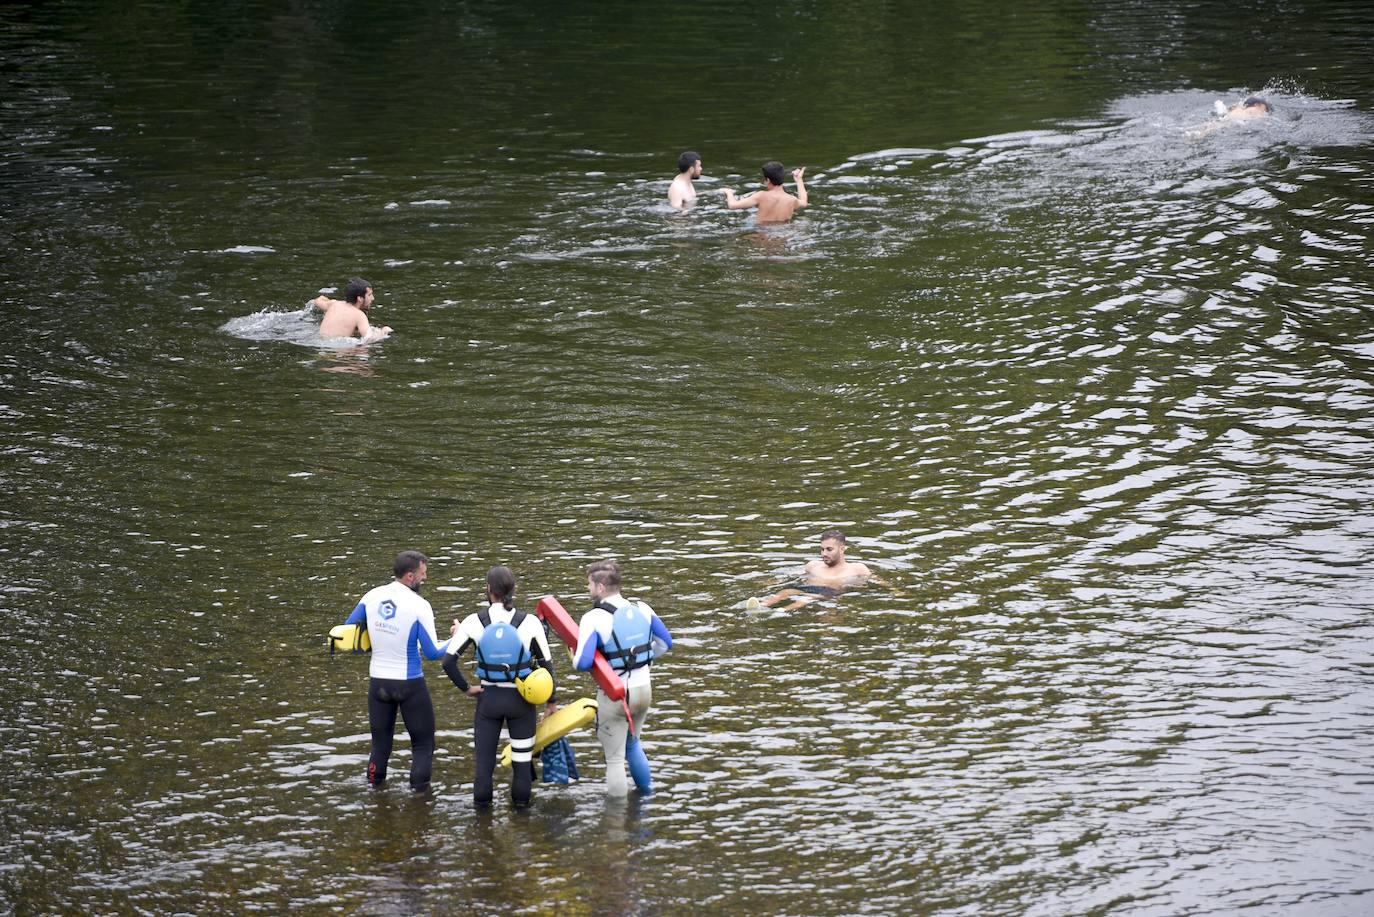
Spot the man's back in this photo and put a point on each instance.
(776, 206)
(340, 321)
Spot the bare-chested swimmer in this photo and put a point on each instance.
(775, 205)
(826, 577)
(347, 317)
(1252, 108)
(682, 193)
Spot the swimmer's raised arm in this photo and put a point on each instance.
(323, 302)
(801, 185)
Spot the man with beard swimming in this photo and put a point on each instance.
(824, 578)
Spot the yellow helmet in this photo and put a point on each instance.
(536, 687)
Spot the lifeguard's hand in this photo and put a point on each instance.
(474, 690)
(453, 631)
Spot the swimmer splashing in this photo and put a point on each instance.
(1251, 109)
(347, 317)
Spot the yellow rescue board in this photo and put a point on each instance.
(568, 719)
(349, 638)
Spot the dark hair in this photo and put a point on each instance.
(1256, 100)
(833, 535)
(501, 585)
(408, 562)
(357, 289)
(772, 170)
(687, 160)
(605, 573)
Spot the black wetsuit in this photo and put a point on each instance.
(411, 697)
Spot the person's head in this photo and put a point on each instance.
(358, 293)
(832, 547)
(603, 579)
(773, 173)
(410, 569)
(690, 163)
(1257, 104)
(501, 586)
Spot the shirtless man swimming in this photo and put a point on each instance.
(347, 317)
(774, 203)
(682, 193)
(1252, 108)
(826, 577)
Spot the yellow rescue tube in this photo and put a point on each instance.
(349, 638)
(568, 719)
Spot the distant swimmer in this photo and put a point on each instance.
(347, 317)
(1251, 109)
(774, 204)
(515, 669)
(400, 625)
(682, 193)
(826, 577)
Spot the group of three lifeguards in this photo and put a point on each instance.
(510, 646)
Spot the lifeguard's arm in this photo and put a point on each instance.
(741, 203)
(430, 646)
(454, 673)
(359, 615)
(801, 186)
(457, 645)
(588, 642)
(659, 637)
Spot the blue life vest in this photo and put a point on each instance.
(631, 643)
(501, 656)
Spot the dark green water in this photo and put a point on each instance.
(1092, 395)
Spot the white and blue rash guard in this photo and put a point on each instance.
(594, 633)
(401, 627)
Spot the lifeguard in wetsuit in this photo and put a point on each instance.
(509, 645)
(400, 625)
(631, 636)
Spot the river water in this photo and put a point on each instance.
(1092, 394)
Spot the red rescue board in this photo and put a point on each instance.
(551, 611)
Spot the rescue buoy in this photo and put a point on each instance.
(568, 719)
(551, 611)
(349, 638)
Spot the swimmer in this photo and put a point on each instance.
(774, 204)
(682, 193)
(826, 577)
(1252, 108)
(347, 317)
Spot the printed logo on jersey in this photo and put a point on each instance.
(387, 610)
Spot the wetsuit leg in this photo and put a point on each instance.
(639, 700)
(521, 723)
(417, 710)
(381, 715)
(611, 731)
(486, 732)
